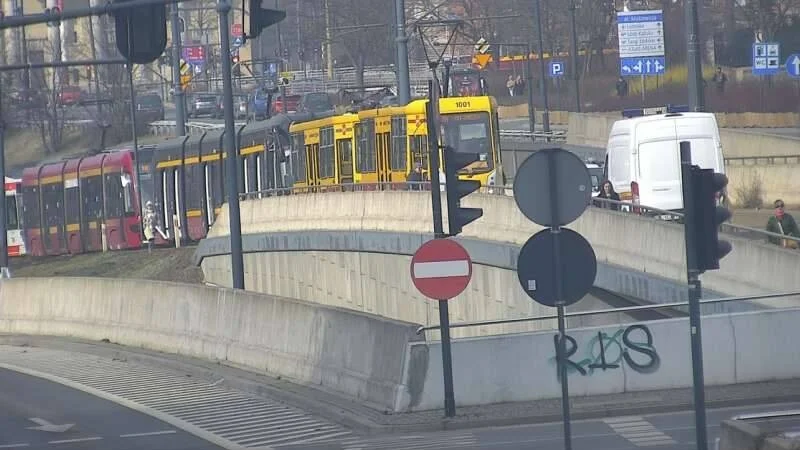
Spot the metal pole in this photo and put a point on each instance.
(574, 54)
(3, 210)
(432, 110)
(693, 58)
(180, 104)
(26, 74)
(561, 350)
(328, 44)
(135, 138)
(237, 260)
(447, 360)
(403, 77)
(693, 278)
(96, 77)
(531, 108)
(543, 74)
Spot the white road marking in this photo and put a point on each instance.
(638, 431)
(215, 413)
(14, 445)
(152, 433)
(441, 269)
(68, 441)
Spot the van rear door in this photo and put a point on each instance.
(659, 168)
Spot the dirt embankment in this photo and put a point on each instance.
(166, 264)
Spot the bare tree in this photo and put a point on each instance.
(769, 16)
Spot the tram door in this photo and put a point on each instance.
(344, 151)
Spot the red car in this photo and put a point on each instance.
(69, 95)
(73, 206)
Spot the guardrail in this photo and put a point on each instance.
(167, 127)
(550, 136)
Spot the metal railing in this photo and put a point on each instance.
(551, 136)
(739, 231)
(624, 309)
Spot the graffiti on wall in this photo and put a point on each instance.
(632, 346)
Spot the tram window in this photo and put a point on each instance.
(327, 157)
(113, 185)
(365, 153)
(419, 151)
(92, 192)
(298, 157)
(73, 207)
(30, 206)
(398, 152)
(11, 212)
(127, 194)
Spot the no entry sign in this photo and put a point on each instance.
(441, 269)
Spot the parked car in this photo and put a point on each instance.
(240, 107)
(202, 104)
(69, 95)
(149, 107)
(316, 102)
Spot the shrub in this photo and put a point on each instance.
(750, 194)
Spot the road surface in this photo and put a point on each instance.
(28, 402)
(672, 431)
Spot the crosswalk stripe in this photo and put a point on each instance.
(638, 431)
(246, 421)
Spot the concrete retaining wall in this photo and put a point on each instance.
(629, 242)
(651, 356)
(352, 353)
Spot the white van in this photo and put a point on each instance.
(643, 159)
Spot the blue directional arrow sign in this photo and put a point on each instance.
(793, 65)
(237, 41)
(642, 66)
(556, 68)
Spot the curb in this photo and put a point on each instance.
(342, 410)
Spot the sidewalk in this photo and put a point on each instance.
(368, 421)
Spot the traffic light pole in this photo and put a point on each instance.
(401, 41)
(693, 278)
(432, 110)
(234, 219)
(693, 58)
(546, 110)
(3, 218)
(177, 88)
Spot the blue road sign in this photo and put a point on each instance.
(653, 65)
(557, 68)
(793, 65)
(766, 58)
(237, 41)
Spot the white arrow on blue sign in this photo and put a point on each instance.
(556, 68)
(237, 41)
(793, 65)
(642, 66)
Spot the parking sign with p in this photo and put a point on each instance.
(556, 68)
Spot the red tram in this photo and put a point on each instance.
(71, 206)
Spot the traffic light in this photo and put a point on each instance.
(709, 214)
(261, 18)
(148, 32)
(456, 188)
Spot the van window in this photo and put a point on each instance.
(704, 153)
(659, 161)
(619, 164)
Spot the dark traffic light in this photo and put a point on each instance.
(708, 214)
(456, 188)
(261, 18)
(147, 26)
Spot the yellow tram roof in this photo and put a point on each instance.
(382, 112)
(455, 104)
(324, 122)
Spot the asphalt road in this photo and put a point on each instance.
(672, 431)
(96, 423)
